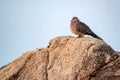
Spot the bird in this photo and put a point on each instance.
(80, 28)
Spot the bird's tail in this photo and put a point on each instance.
(96, 36)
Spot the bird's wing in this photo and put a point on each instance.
(83, 28)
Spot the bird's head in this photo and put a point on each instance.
(74, 19)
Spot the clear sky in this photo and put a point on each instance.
(29, 24)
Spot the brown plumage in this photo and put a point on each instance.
(79, 28)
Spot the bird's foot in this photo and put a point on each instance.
(79, 36)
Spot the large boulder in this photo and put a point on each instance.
(66, 58)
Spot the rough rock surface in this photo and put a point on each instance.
(66, 58)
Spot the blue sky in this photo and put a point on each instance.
(29, 24)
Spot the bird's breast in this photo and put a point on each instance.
(74, 29)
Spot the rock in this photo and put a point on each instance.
(31, 66)
(66, 58)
